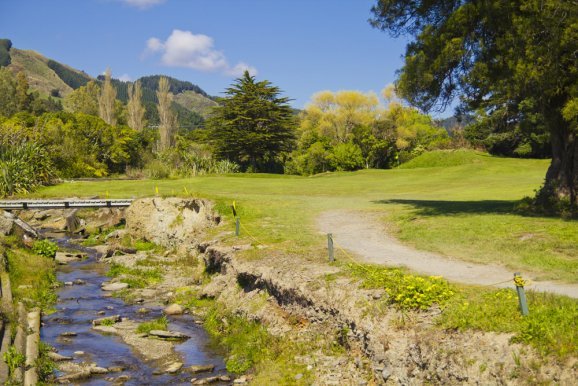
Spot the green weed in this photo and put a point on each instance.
(136, 277)
(157, 324)
(45, 248)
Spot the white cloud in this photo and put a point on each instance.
(125, 78)
(240, 69)
(185, 49)
(142, 4)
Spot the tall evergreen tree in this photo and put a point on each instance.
(513, 62)
(253, 124)
(167, 117)
(107, 100)
(135, 109)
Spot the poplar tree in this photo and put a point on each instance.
(167, 117)
(107, 100)
(135, 109)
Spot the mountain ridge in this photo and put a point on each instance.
(52, 78)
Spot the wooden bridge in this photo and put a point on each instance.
(63, 204)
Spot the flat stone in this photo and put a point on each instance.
(68, 283)
(143, 310)
(174, 309)
(114, 286)
(79, 282)
(115, 369)
(108, 319)
(78, 353)
(98, 370)
(168, 334)
(205, 381)
(57, 357)
(67, 257)
(174, 367)
(105, 329)
(240, 380)
(195, 369)
(69, 333)
(225, 378)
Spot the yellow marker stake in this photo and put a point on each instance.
(106, 194)
(186, 191)
(157, 190)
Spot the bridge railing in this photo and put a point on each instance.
(63, 204)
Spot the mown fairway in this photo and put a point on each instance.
(466, 210)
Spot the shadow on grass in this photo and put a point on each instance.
(439, 208)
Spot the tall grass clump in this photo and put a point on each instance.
(23, 167)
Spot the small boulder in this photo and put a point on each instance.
(195, 369)
(173, 367)
(114, 286)
(168, 334)
(174, 309)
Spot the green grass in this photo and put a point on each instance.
(466, 211)
(31, 276)
(550, 326)
(156, 324)
(135, 277)
(444, 158)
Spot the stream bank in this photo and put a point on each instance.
(321, 327)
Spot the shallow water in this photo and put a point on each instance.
(78, 305)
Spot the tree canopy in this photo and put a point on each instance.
(252, 125)
(513, 63)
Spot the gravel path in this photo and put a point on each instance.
(363, 235)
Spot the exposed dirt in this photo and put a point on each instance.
(362, 234)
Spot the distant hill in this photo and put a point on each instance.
(50, 77)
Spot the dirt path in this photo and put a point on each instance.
(363, 235)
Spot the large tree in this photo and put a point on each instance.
(253, 124)
(514, 63)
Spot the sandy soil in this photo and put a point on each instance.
(362, 234)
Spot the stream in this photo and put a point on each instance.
(79, 304)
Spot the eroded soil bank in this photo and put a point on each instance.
(346, 335)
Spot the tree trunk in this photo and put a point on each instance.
(562, 177)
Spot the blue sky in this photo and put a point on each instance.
(302, 46)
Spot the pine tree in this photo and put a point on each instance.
(252, 125)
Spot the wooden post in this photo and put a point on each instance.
(237, 226)
(521, 293)
(330, 247)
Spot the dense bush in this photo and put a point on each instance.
(23, 167)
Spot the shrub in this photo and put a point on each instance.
(346, 156)
(23, 167)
